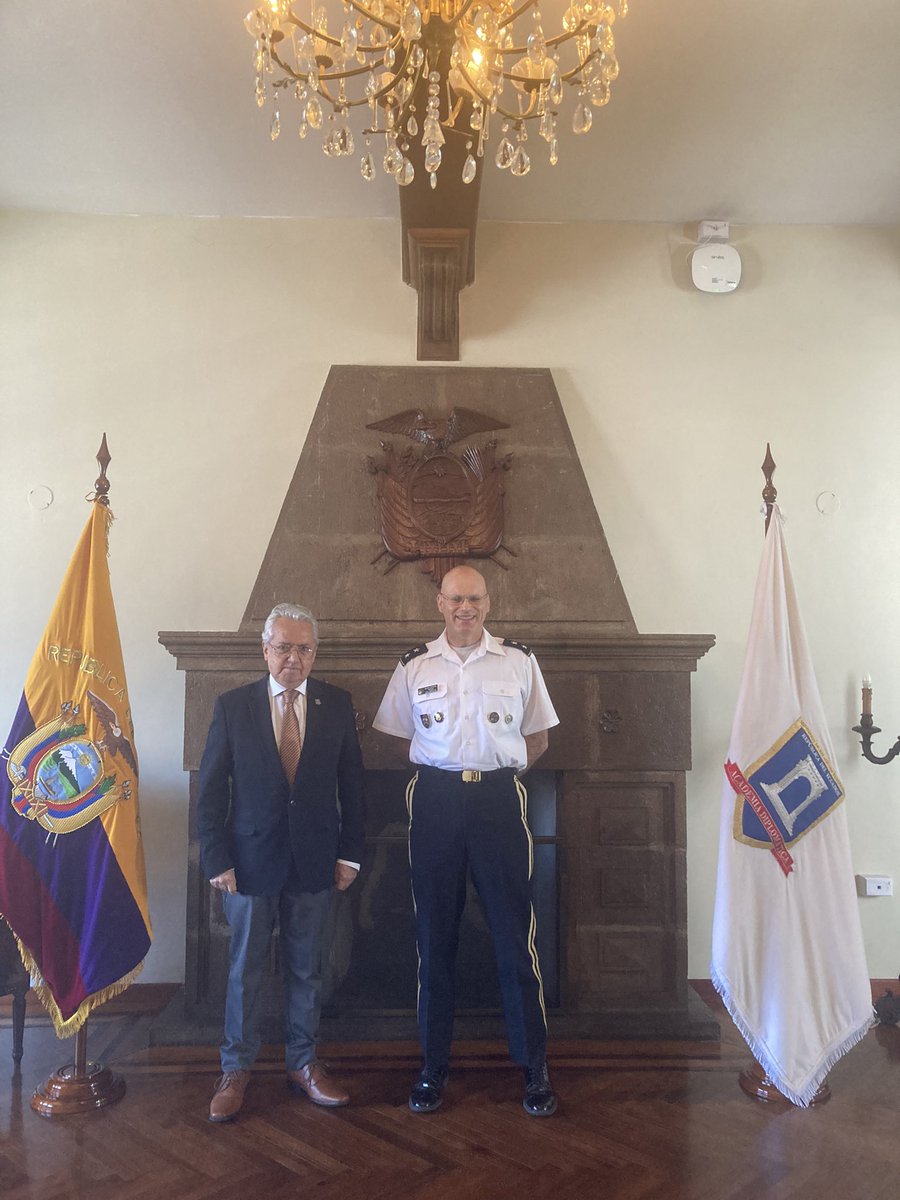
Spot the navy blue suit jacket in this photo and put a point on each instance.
(249, 818)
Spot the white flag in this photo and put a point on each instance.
(787, 953)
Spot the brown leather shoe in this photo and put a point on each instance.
(228, 1095)
(314, 1082)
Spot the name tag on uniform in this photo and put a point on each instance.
(426, 691)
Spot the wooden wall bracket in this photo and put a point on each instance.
(438, 261)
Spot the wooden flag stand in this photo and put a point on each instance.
(753, 1080)
(81, 1086)
(78, 1087)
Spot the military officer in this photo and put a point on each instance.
(474, 712)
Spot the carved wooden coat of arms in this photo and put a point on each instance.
(439, 507)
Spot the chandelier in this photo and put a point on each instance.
(450, 68)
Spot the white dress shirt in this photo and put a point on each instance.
(467, 715)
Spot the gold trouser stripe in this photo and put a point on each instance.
(532, 928)
(410, 788)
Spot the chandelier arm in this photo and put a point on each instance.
(567, 75)
(465, 8)
(473, 85)
(514, 16)
(299, 77)
(365, 12)
(312, 31)
(377, 96)
(529, 115)
(564, 77)
(558, 40)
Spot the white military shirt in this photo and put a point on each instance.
(467, 715)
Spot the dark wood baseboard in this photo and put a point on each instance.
(152, 998)
(140, 999)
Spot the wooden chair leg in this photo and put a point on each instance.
(18, 1025)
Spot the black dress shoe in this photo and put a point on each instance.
(539, 1098)
(427, 1092)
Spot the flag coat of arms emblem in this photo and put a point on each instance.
(72, 882)
(787, 954)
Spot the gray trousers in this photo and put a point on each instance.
(302, 917)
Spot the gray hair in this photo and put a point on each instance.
(293, 612)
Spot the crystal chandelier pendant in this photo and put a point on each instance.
(411, 25)
(349, 41)
(393, 160)
(432, 158)
(582, 118)
(504, 156)
(313, 113)
(521, 163)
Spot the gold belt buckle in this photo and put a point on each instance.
(471, 777)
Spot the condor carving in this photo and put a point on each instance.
(439, 507)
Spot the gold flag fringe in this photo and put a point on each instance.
(68, 1027)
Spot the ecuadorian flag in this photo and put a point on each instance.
(72, 883)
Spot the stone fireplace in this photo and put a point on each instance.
(607, 802)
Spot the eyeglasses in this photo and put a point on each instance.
(283, 649)
(456, 601)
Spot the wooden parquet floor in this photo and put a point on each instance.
(636, 1121)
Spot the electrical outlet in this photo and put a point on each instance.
(874, 885)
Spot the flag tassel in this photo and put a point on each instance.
(816, 1090)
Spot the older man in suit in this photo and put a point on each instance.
(280, 818)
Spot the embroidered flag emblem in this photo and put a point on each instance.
(783, 794)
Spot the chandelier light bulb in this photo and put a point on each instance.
(455, 61)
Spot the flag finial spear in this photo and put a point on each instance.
(769, 492)
(101, 487)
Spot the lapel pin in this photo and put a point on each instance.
(317, 700)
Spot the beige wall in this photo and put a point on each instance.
(201, 347)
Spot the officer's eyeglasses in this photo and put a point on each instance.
(456, 601)
(283, 649)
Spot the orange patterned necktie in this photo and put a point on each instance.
(289, 746)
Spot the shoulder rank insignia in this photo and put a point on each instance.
(516, 645)
(414, 653)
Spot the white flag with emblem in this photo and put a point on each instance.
(787, 953)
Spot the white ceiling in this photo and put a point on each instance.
(753, 111)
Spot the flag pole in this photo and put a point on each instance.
(81, 1086)
(754, 1080)
(769, 492)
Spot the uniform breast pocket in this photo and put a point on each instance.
(430, 707)
(501, 705)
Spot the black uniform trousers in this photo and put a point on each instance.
(482, 827)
